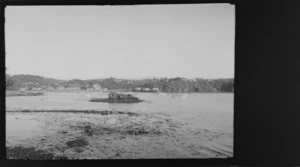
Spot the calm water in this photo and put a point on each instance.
(209, 111)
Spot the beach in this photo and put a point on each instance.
(108, 134)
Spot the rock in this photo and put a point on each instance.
(118, 98)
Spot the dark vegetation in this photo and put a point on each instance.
(17, 81)
(132, 130)
(24, 94)
(117, 98)
(178, 84)
(105, 112)
(77, 143)
(30, 154)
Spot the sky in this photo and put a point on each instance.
(134, 42)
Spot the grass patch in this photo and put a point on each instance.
(30, 153)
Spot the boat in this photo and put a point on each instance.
(181, 95)
(184, 96)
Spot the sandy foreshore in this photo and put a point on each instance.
(91, 134)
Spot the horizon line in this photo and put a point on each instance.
(133, 78)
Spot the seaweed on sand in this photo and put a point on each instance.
(77, 143)
(88, 130)
(126, 130)
(137, 132)
(8, 94)
(30, 153)
(104, 112)
(92, 130)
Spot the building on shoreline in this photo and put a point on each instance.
(97, 87)
(155, 89)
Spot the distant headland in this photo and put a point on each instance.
(168, 85)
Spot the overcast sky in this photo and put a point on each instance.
(85, 42)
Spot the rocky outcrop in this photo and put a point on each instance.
(117, 98)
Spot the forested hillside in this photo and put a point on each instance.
(178, 84)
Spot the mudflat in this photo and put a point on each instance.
(92, 134)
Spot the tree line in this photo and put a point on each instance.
(177, 84)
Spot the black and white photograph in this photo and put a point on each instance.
(120, 81)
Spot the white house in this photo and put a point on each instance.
(147, 89)
(97, 87)
(155, 89)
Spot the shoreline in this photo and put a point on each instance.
(23, 93)
(92, 134)
(101, 112)
(107, 91)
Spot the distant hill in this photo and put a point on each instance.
(35, 79)
(178, 84)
